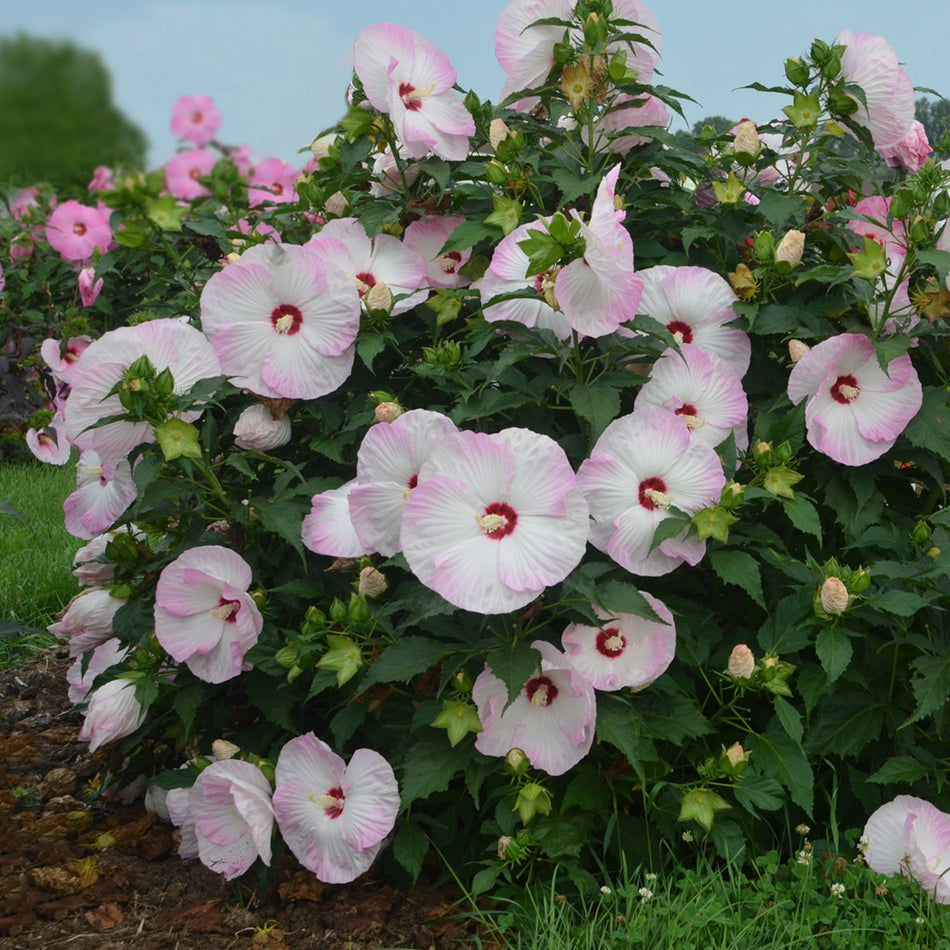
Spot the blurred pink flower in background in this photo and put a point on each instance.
(76, 230)
(272, 180)
(195, 118)
(183, 170)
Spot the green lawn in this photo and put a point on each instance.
(36, 554)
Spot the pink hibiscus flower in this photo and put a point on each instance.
(333, 816)
(204, 616)
(911, 151)
(230, 809)
(702, 389)
(368, 262)
(76, 230)
(282, 321)
(855, 411)
(506, 274)
(101, 179)
(911, 836)
(627, 651)
(104, 490)
(526, 52)
(407, 77)
(599, 291)
(50, 444)
(183, 170)
(695, 305)
(387, 472)
(62, 358)
(87, 620)
(328, 529)
(870, 62)
(195, 118)
(112, 712)
(551, 720)
(84, 670)
(642, 465)
(483, 530)
(427, 237)
(89, 287)
(169, 344)
(272, 180)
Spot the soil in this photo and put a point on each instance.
(116, 881)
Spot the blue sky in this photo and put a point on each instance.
(278, 69)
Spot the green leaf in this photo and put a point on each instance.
(598, 405)
(755, 791)
(788, 627)
(410, 847)
(623, 598)
(369, 346)
(846, 723)
(740, 569)
(514, 666)
(900, 770)
(618, 724)
(467, 235)
(930, 428)
(939, 260)
(790, 718)
(430, 766)
(781, 757)
(148, 469)
(931, 685)
(283, 518)
(901, 603)
(833, 646)
(803, 514)
(406, 658)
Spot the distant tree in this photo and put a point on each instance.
(57, 118)
(934, 116)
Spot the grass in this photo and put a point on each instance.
(36, 555)
(834, 904)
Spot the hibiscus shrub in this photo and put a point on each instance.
(403, 458)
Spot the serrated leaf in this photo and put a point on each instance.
(148, 469)
(834, 650)
(900, 770)
(755, 791)
(930, 428)
(780, 756)
(845, 723)
(284, 518)
(618, 725)
(790, 718)
(599, 405)
(901, 603)
(369, 346)
(740, 569)
(406, 658)
(514, 666)
(787, 627)
(410, 847)
(803, 514)
(939, 260)
(430, 766)
(616, 596)
(931, 685)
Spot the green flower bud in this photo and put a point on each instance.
(701, 806)
(533, 799)
(344, 656)
(779, 481)
(177, 438)
(797, 73)
(458, 718)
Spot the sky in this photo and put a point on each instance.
(278, 71)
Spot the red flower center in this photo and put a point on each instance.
(845, 389)
(413, 482)
(336, 809)
(277, 188)
(650, 489)
(194, 174)
(610, 642)
(687, 409)
(540, 691)
(79, 229)
(498, 520)
(364, 280)
(227, 610)
(411, 102)
(450, 261)
(196, 116)
(682, 332)
(286, 319)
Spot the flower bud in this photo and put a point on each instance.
(372, 582)
(388, 411)
(258, 431)
(733, 760)
(222, 749)
(379, 298)
(335, 204)
(790, 248)
(503, 843)
(746, 138)
(834, 597)
(741, 662)
(797, 349)
(517, 761)
(497, 132)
